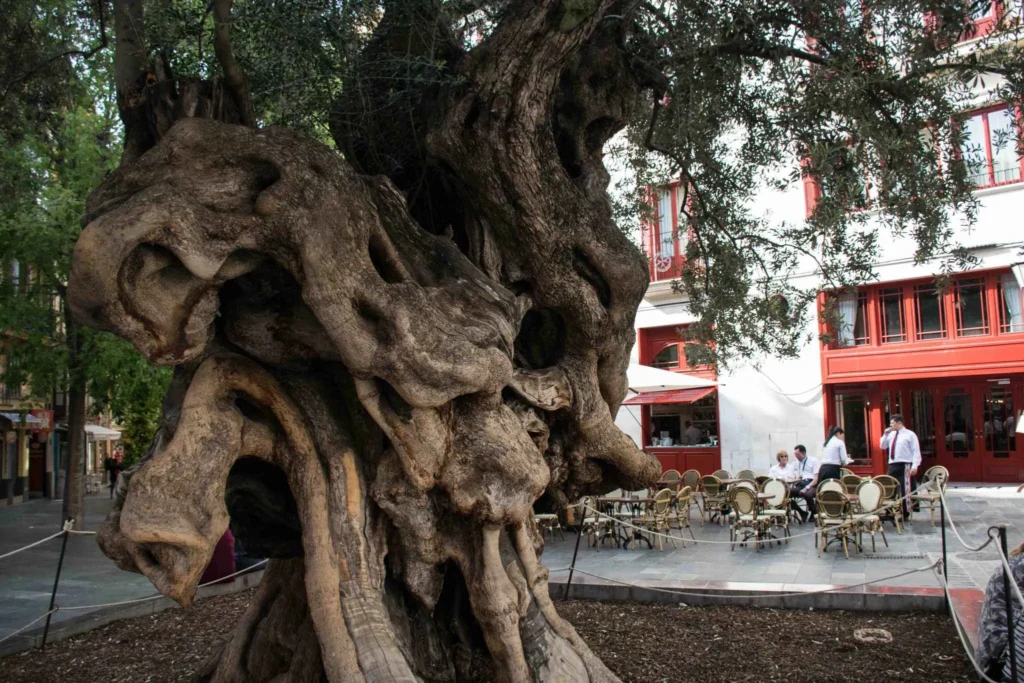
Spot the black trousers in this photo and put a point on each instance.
(901, 472)
(796, 491)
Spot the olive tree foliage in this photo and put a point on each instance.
(375, 242)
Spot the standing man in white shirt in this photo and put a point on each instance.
(805, 469)
(904, 454)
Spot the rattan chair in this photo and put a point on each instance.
(713, 499)
(935, 480)
(869, 498)
(747, 474)
(761, 479)
(835, 521)
(831, 485)
(596, 527)
(722, 474)
(691, 478)
(656, 519)
(777, 507)
(851, 482)
(746, 518)
(893, 506)
(672, 478)
(684, 499)
(548, 523)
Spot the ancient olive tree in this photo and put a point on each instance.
(386, 353)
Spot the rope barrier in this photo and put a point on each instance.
(753, 596)
(37, 619)
(33, 545)
(973, 549)
(964, 640)
(81, 533)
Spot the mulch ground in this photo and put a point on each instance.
(637, 642)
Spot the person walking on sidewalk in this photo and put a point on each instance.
(904, 452)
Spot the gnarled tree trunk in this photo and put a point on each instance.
(374, 391)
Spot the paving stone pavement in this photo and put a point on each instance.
(972, 508)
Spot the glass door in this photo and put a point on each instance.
(1001, 459)
(958, 443)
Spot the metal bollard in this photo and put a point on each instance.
(60, 563)
(945, 560)
(572, 565)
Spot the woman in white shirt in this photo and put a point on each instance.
(782, 469)
(833, 456)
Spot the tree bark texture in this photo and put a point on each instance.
(73, 506)
(372, 398)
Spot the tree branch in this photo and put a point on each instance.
(233, 74)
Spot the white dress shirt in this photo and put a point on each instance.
(902, 446)
(834, 453)
(806, 468)
(784, 472)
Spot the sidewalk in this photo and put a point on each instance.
(88, 576)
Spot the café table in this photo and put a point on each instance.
(624, 533)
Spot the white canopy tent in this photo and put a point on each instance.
(98, 433)
(644, 379)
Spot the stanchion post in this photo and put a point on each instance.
(1011, 642)
(942, 519)
(572, 565)
(56, 580)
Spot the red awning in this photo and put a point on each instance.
(674, 396)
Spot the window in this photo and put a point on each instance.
(890, 305)
(891, 405)
(959, 418)
(931, 315)
(1011, 316)
(852, 309)
(668, 357)
(852, 416)
(989, 149)
(1000, 432)
(665, 241)
(922, 420)
(969, 304)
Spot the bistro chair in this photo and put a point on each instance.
(832, 485)
(745, 484)
(722, 474)
(671, 475)
(835, 521)
(935, 480)
(746, 518)
(714, 498)
(843, 472)
(549, 524)
(869, 498)
(761, 479)
(777, 507)
(596, 527)
(684, 500)
(851, 482)
(691, 478)
(656, 519)
(893, 506)
(746, 474)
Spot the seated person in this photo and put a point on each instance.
(782, 469)
(805, 471)
(993, 651)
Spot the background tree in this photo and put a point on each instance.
(385, 357)
(59, 137)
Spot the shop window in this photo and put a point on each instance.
(852, 310)
(891, 405)
(931, 315)
(959, 423)
(668, 357)
(989, 148)
(969, 304)
(1011, 315)
(852, 416)
(685, 424)
(890, 304)
(999, 428)
(922, 420)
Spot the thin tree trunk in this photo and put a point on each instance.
(74, 458)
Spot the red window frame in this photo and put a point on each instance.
(990, 178)
(669, 267)
(975, 28)
(884, 295)
(958, 298)
(654, 340)
(919, 333)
